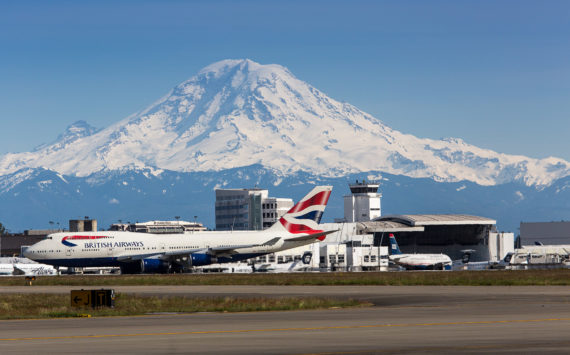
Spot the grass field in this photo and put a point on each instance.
(19, 306)
(408, 278)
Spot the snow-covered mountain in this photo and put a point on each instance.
(237, 113)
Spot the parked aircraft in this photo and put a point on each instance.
(15, 268)
(150, 253)
(418, 261)
(465, 262)
(302, 264)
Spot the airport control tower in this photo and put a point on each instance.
(364, 202)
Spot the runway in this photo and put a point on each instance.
(403, 320)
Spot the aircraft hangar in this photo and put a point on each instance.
(450, 234)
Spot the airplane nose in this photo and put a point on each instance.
(26, 253)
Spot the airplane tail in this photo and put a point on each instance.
(306, 215)
(394, 248)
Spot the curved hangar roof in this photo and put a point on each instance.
(417, 220)
(387, 226)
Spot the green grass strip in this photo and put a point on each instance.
(22, 306)
(406, 278)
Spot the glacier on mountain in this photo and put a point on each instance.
(237, 113)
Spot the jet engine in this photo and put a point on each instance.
(199, 259)
(146, 266)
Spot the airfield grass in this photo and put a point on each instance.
(558, 277)
(27, 306)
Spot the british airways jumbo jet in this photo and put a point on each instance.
(150, 253)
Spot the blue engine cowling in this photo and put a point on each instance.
(146, 266)
(199, 259)
(155, 266)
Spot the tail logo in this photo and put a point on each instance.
(306, 215)
(395, 249)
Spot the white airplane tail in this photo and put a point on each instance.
(306, 215)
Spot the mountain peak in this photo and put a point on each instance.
(238, 72)
(226, 66)
(78, 129)
(237, 112)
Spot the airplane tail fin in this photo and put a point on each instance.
(466, 255)
(394, 248)
(306, 215)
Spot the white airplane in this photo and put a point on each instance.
(465, 262)
(418, 261)
(151, 253)
(27, 269)
(302, 264)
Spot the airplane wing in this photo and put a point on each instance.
(264, 268)
(309, 236)
(227, 251)
(217, 251)
(18, 271)
(128, 258)
(232, 249)
(169, 253)
(185, 252)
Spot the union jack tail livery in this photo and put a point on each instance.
(306, 215)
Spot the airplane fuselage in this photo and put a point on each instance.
(26, 269)
(422, 261)
(113, 248)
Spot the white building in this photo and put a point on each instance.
(272, 208)
(333, 257)
(160, 227)
(248, 209)
(500, 244)
(362, 255)
(351, 248)
(363, 204)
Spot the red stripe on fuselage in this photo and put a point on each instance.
(75, 237)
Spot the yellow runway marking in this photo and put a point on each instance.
(288, 329)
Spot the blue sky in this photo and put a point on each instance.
(494, 73)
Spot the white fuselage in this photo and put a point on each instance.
(32, 269)
(422, 261)
(111, 248)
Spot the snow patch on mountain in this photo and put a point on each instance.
(237, 113)
(9, 181)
